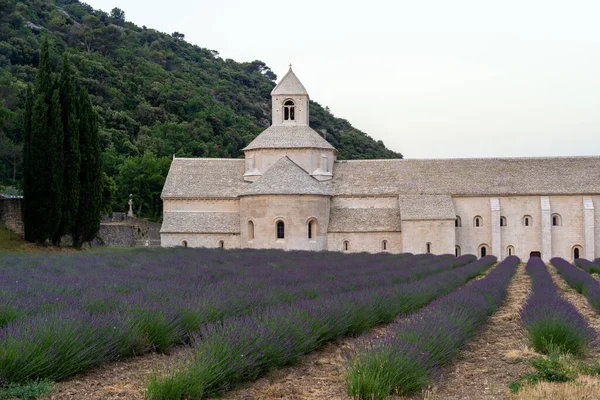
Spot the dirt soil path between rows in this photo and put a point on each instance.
(118, 380)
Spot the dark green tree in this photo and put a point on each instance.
(42, 212)
(89, 213)
(72, 158)
(27, 177)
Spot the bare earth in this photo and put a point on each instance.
(119, 380)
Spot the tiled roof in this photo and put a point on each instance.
(205, 178)
(364, 220)
(289, 84)
(289, 137)
(202, 222)
(422, 207)
(469, 177)
(286, 177)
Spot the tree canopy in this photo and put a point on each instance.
(156, 95)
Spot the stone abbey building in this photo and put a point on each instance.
(290, 192)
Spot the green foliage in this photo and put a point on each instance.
(31, 390)
(45, 162)
(89, 213)
(556, 367)
(72, 157)
(154, 92)
(556, 334)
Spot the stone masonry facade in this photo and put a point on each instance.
(290, 192)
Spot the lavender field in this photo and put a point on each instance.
(65, 313)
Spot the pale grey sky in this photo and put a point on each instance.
(431, 79)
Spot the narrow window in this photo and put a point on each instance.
(457, 251)
(288, 111)
(576, 253)
(250, 230)
(556, 220)
(526, 221)
(510, 251)
(346, 245)
(221, 244)
(457, 222)
(384, 245)
(483, 251)
(184, 243)
(502, 221)
(477, 222)
(428, 247)
(280, 230)
(310, 234)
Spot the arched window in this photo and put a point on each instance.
(556, 220)
(527, 220)
(477, 222)
(288, 111)
(280, 230)
(428, 247)
(221, 244)
(510, 250)
(577, 250)
(250, 230)
(311, 229)
(483, 250)
(184, 243)
(346, 245)
(384, 245)
(502, 221)
(457, 251)
(457, 222)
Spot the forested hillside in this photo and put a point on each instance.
(156, 95)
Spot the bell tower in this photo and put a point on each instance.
(290, 101)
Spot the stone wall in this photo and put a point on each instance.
(120, 230)
(10, 214)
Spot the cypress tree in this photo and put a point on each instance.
(26, 176)
(72, 158)
(44, 164)
(89, 213)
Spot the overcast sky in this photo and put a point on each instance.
(430, 79)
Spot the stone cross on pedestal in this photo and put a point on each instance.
(130, 202)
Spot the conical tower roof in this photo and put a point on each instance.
(287, 177)
(289, 85)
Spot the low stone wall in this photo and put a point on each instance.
(120, 230)
(10, 214)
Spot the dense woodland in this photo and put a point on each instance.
(156, 95)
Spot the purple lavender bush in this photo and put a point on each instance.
(64, 313)
(579, 280)
(243, 348)
(405, 359)
(588, 266)
(552, 322)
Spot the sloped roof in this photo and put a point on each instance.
(205, 178)
(286, 177)
(426, 207)
(289, 85)
(364, 220)
(289, 137)
(203, 222)
(469, 177)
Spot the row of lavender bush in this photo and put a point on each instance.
(61, 314)
(405, 359)
(579, 280)
(241, 349)
(552, 322)
(588, 266)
